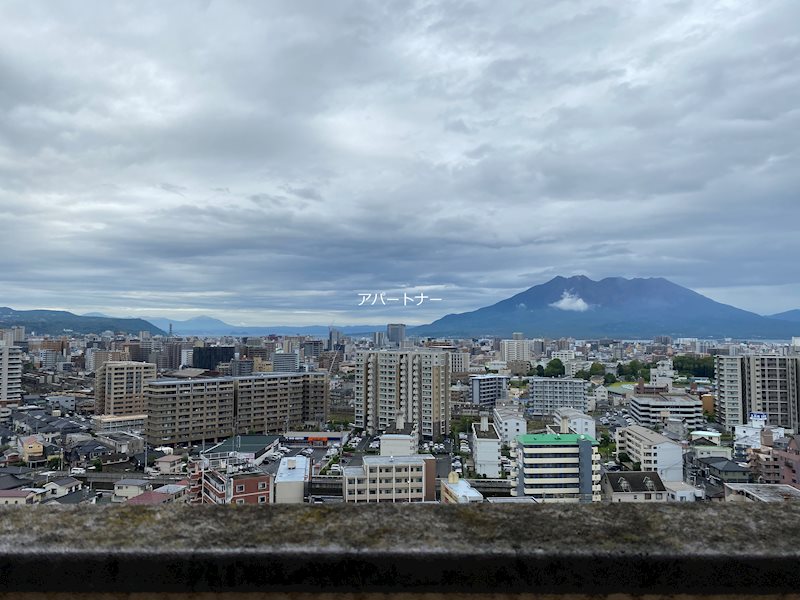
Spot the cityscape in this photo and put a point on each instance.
(400, 297)
(139, 418)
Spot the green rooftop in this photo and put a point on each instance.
(554, 439)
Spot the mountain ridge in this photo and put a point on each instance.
(611, 307)
(57, 322)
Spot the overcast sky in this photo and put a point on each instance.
(266, 162)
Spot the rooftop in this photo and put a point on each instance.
(489, 434)
(149, 498)
(648, 435)
(554, 439)
(635, 481)
(299, 473)
(132, 482)
(463, 489)
(246, 444)
(765, 492)
(416, 459)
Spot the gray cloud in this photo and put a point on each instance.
(266, 163)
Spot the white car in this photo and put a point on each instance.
(77, 471)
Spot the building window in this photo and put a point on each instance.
(239, 488)
(262, 499)
(240, 501)
(262, 485)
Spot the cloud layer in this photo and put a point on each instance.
(266, 163)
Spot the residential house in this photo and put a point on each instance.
(169, 464)
(17, 496)
(633, 486)
(125, 489)
(62, 486)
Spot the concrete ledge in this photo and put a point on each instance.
(710, 549)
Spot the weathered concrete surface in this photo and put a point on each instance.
(739, 549)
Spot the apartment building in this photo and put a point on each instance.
(761, 384)
(229, 481)
(10, 379)
(548, 394)
(509, 419)
(518, 349)
(279, 401)
(412, 383)
(486, 448)
(391, 479)
(653, 410)
(119, 387)
(292, 480)
(286, 362)
(459, 362)
(487, 390)
(569, 420)
(558, 467)
(652, 451)
(192, 410)
(185, 411)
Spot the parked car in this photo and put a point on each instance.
(77, 471)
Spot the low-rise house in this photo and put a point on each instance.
(721, 470)
(86, 452)
(169, 464)
(125, 489)
(62, 486)
(633, 486)
(31, 449)
(17, 496)
(679, 491)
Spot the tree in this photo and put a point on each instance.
(98, 464)
(583, 374)
(609, 379)
(539, 371)
(555, 368)
(597, 369)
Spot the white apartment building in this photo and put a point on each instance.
(391, 479)
(657, 409)
(119, 387)
(563, 355)
(574, 421)
(515, 350)
(558, 467)
(767, 384)
(10, 379)
(486, 390)
(548, 394)
(486, 448)
(509, 419)
(663, 375)
(652, 451)
(414, 384)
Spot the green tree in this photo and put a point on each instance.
(555, 368)
(98, 464)
(583, 374)
(597, 369)
(539, 371)
(609, 379)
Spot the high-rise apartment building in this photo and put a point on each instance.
(286, 362)
(411, 383)
(548, 394)
(516, 349)
(396, 333)
(558, 467)
(210, 356)
(119, 387)
(184, 411)
(193, 410)
(10, 379)
(487, 390)
(760, 384)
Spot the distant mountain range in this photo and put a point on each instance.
(789, 315)
(209, 326)
(57, 322)
(613, 307)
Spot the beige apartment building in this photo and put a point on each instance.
(182, 411)
(392, 479)
(279, 402)
(10, 379)
(414, 384)
(119, 387)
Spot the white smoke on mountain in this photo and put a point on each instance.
(570, 301)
